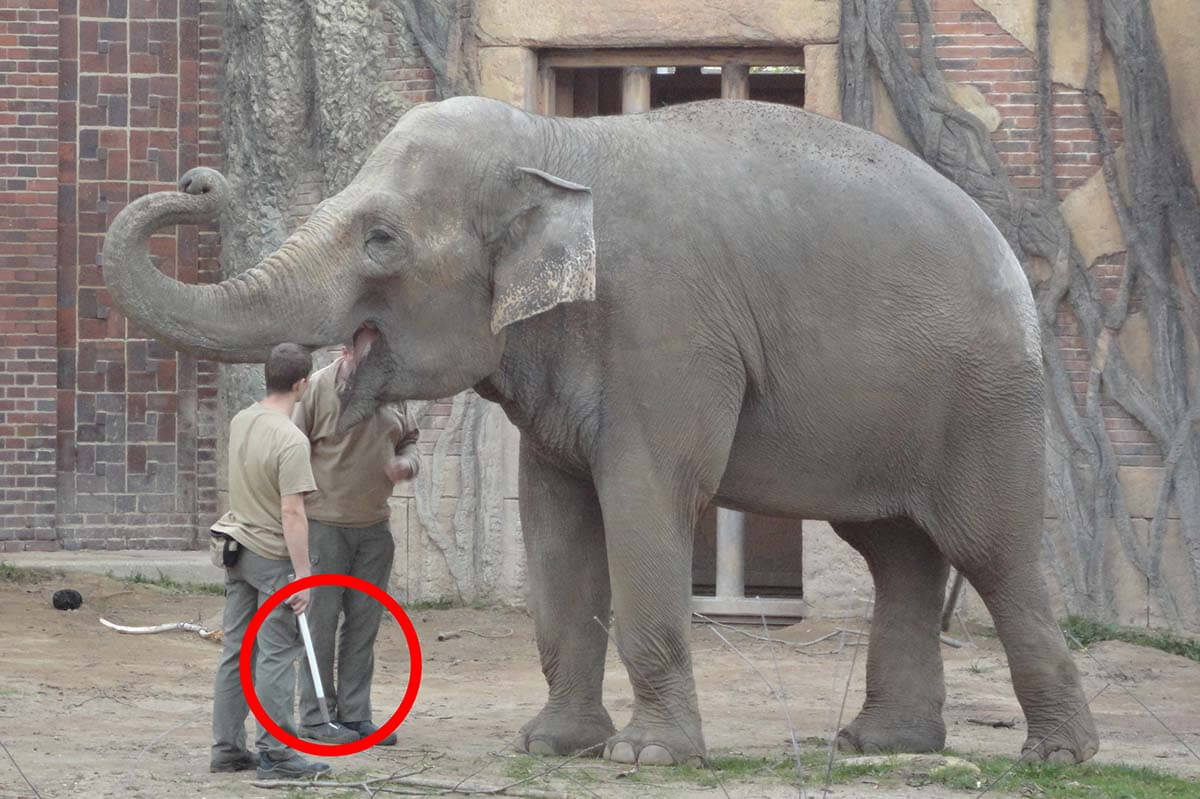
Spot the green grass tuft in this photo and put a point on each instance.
(1099, 780)
(23, 575)
(522, 767)
(171, 584)
(1085, 781)
(1088, 632)
(434, 604)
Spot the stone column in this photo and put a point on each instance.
(509, 74)
(635, 90)
(735, 82)
(821, 95)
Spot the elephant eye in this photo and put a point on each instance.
(379, 236)
(387, 248)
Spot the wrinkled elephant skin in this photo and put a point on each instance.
(725, 302)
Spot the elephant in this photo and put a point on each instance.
(722, 302)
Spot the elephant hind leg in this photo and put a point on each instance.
(996, 546)
(905, 692)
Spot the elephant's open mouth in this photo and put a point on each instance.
(363, 382)
(366, 336)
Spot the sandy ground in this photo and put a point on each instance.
(87, 712)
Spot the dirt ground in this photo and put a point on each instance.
(87, 712)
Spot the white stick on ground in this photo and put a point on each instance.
(186, 626)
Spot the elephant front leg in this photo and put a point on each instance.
(650, 559)
(569, 588)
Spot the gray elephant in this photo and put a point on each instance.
(721, 302)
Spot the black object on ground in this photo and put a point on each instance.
(67, 599)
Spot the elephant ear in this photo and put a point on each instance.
(547, 254)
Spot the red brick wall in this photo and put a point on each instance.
(138, 107)
(28, 247)
(107, 438)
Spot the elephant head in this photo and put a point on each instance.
(447, 235)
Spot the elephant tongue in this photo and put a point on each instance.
(364, 337)
(360, 346)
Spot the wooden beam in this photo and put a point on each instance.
(645, 57)
(635, 90)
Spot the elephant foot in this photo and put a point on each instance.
(1075, 742)
(875, 733)
(560, 731)
(656, 745)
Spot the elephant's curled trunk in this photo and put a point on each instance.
(237, 320)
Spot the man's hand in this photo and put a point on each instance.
(400, 468)
(298, 601)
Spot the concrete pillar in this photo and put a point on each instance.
(635, 90)
(731, 553)
(547, 92)
(735, 82)
(822, 94)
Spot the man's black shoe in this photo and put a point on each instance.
(331, 733)
(292, 767)
(242, 761)
(365, 728)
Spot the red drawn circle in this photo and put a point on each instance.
(414, 665)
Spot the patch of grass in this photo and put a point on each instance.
(171, 584)
(1115, 781)
(1052, 781)
(1088, 632)
(23, 575)
(523, 767)
(434, 604)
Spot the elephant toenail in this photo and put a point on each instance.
(622, 752)
(1060, 756)
(655, 755)
(539, 746)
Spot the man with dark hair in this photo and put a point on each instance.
(355, 472)
(263, 544)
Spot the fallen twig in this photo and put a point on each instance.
(22, 773)
(842, 709)
(786, 713)
(993, 723)
(798, 645)
(1109, 676)
(1045, 738)
(382, 785)
(186, 626)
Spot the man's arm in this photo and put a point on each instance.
(295, 535)
(405, 464)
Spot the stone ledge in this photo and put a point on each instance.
(182, 566)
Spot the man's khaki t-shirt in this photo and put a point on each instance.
(268, 460)
(352, 486)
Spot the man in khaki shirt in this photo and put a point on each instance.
(262, 541)
(349, 534)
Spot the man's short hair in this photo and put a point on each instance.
(287, 364)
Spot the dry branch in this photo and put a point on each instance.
(186, 626)
(438, 784)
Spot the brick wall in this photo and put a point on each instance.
(28, 244)
(107, 438)
(135, 465)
